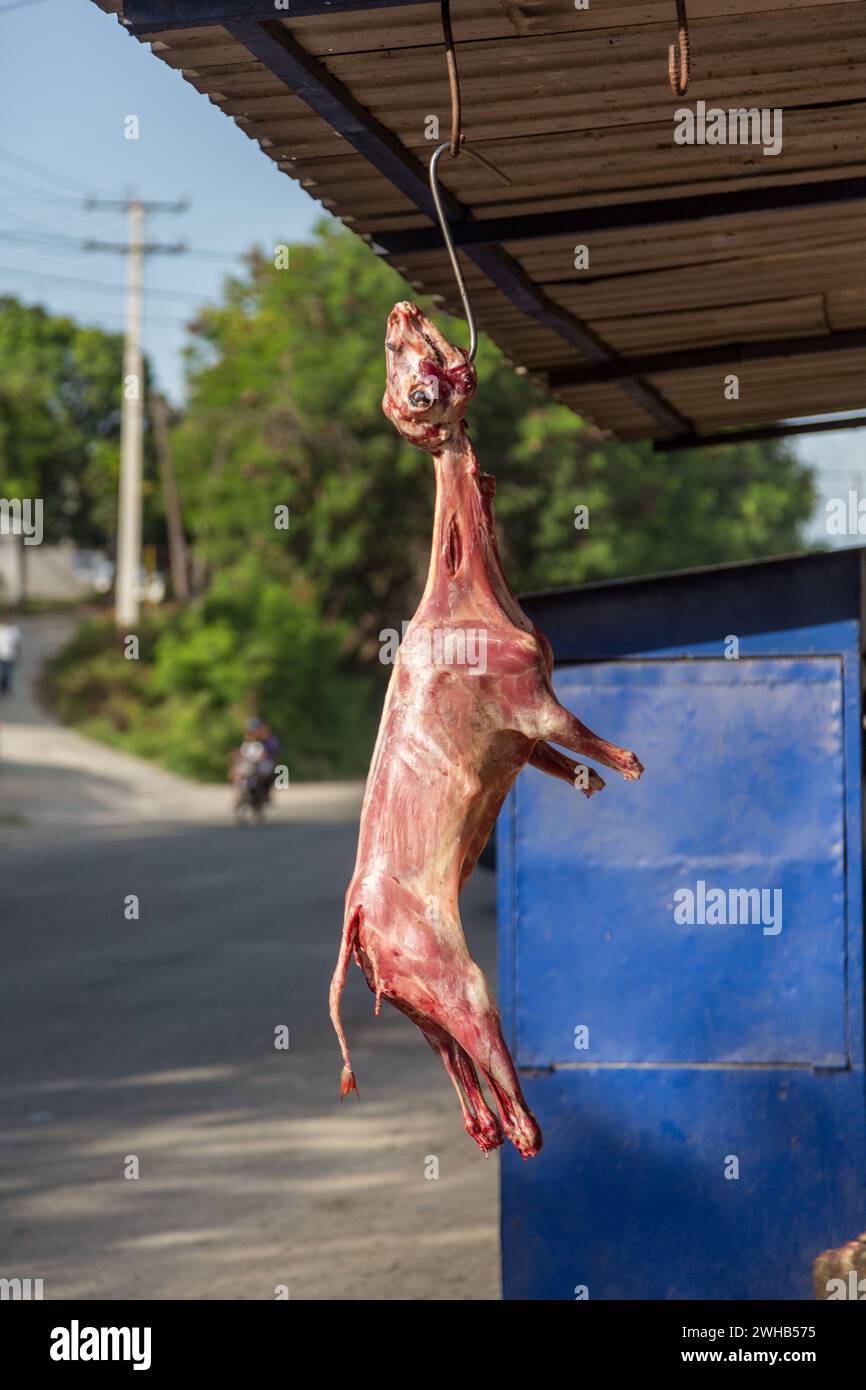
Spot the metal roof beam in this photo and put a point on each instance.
(616, 217)
(692, 359)
(784, 431)
(149, 16)
(308, 79)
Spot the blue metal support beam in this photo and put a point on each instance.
(653, 212)
(144, 16)
(722, 355)
(310, 80)
(784, 431)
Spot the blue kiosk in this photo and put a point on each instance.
(681, 959)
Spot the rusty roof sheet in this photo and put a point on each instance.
(574, 106)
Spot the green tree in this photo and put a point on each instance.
(286, 379)
(645, 512)
(286, 375)
(60, 420)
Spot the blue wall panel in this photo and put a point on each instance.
(743, 791)
(709, 1046)
(629, 1195)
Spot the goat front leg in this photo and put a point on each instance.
(561, 726)
(479, 1121)
(556, 764)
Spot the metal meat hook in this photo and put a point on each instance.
(449, 246)
(456, 145)
(678, 54)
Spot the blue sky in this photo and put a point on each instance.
(69, 75)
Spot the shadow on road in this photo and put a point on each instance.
(154, 1038)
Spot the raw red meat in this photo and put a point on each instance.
(469, 703)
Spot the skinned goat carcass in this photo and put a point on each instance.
(468, 705)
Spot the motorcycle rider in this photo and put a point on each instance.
(272, 746)
(256, 759)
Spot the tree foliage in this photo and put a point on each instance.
(286, 381)
(286, 375)
(60, 392)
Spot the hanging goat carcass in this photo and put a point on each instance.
(469, 703)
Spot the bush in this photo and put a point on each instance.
(249, 647)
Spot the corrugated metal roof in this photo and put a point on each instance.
(575, 107)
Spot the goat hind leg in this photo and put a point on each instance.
(476, 1029)
(489, 1133)
(443, 990)
(478, 1119)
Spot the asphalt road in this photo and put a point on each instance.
(153, 1039)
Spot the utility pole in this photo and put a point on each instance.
(171, 499)
(128, 556)
(128, 551)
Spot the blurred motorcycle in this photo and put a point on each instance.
(252, 778)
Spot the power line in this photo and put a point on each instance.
(50, 229)
(46, 239)
(28, 221)
(90, 201)
(57, 241)
(43, 170)
(92, 316)
(164, 248)
(46, 231)
(20, 5)
(149, 204)
(39, 193)
(101, 286)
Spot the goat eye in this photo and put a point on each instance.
(419, 397)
